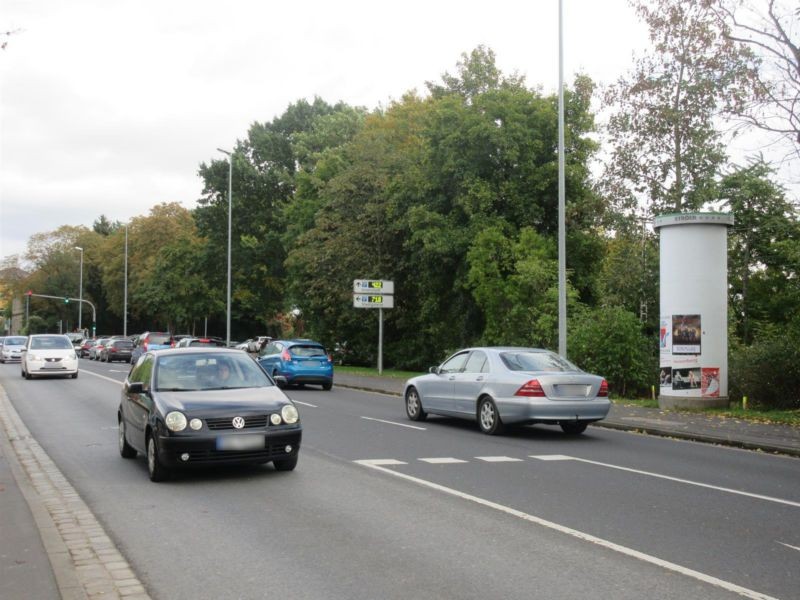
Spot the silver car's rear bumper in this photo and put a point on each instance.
(523, 409)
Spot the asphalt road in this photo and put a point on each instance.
(380, 507)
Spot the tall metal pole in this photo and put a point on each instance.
(125, 293)
(80, 292)
(562, 248)
(380, 341)
(230, 194)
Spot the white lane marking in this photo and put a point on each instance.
(493, 459)
(686, 481)
(379, 462)
(115, 371)
(393, 423)
(726, 585)
(790, 546)
(443, 461)
(550, 457)
(117, 381)
(305, 403)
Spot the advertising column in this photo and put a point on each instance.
(693, 340)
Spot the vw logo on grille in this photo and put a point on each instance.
(238, 422)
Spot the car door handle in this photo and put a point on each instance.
(452, 377)
(479, 378)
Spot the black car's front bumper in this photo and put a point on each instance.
(203, 448)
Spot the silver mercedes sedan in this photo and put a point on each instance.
(499, 386)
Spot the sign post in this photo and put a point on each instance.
(374, 293)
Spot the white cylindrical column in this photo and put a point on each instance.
(693, 341)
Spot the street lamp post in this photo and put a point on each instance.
(230, 193)
(125, 294)
(80, 292)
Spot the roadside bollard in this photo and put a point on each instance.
(653, 392)
(744, 402)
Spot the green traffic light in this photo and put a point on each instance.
(66, 300)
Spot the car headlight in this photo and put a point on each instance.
(176, 421)
(33, 357)
(289, 414)
(196, 424)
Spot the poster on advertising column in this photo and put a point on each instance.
(710, 388)
(686, 334)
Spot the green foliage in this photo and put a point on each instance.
(35, 324)
(767, 371)
(609, 341)
(665, 146)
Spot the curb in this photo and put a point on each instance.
(650, 430)
(85, 561)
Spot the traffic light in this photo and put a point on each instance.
(29, 293)
(66, 300)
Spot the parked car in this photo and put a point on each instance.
(245, 345)
(49, 354)
(117, 349)
(193, 342)
(151, 340)
(99, 344)
(76, 338)
(203, 406)
(501, 386)
(255, 345)
(297, 362)
(11, 348)
(83, 351)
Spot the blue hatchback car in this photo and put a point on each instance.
(297, 362)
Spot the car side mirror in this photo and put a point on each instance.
(434, 370)
(136, 388)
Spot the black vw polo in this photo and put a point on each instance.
(202, 406)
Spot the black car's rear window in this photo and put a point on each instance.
(536, 361)
(213, 343)
(307, 350)
(123, 344)
(159, 338)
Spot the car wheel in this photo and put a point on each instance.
(155, 469)
(125, 449)
(75, 375)
(414, 408)
(286, 464)
(573, 427)
(488, 417)
(27, 375)
(327, 386)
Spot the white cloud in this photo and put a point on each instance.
(108, 107)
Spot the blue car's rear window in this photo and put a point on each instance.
(308, 351)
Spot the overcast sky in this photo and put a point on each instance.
(109, 106)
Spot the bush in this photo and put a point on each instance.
(609, 341)
(767, 372)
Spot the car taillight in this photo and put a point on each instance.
(532, 389)
(285, 355)
(603, 389)
(330, 358)
(144, 347)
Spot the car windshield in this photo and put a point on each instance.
(208, 371)
(536, 361)
(56, 342)
(307, 350)
(15, 341)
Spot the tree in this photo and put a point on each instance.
(772, 36)
(666, 148)
(764, 260)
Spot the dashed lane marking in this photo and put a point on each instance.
(669, 478)
(497, 459)
(790, 546)
(393, 423)
(380, 465)
(304, 403)
(443, 461)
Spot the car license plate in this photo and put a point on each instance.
(250, 441)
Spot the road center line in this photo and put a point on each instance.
(726, 585)
(117, 381)
(790, 546)
(686, 481)
(393, 423)
(305, 403)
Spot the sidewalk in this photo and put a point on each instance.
(782, 439)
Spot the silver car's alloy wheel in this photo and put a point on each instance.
(488, 419)
(414, 406)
